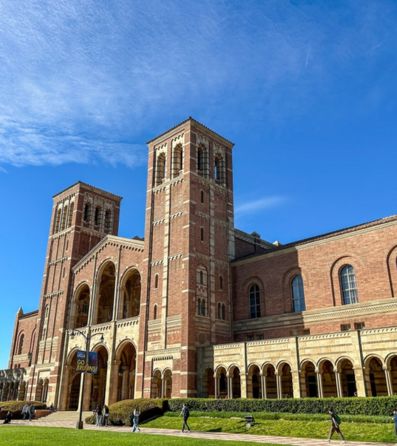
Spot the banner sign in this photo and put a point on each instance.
(90, 366)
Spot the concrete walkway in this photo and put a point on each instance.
(264, 439)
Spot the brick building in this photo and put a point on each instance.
(197, 307)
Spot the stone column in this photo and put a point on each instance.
(296, 384)
(243, 385)
(216, 381)
(278, 385)
(263, 386)
(87, 392)
(114, 382)
(319, 384)
(229, 386)
(109, 373)
(338, 384)
(359, 374)
(388, 380)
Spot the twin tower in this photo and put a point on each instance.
(156, 303)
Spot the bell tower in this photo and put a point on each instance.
(189, 240)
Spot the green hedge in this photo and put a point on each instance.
(120, 412)
(376, 406)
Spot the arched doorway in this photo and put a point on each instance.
(234, 375)
(45, 390)
(328, 379)
(347, 378)
(286, 381)
(105, 296)
(221, 379)
(130, 295)
(393, 374)
(270, 381)
(156, 384)
(126, 372)
(167, 383)
(98, 385)
(309, 380)
(74, 380)
(375, 378)
(254, 389)
(81, 307)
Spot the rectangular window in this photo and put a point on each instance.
(359, 325)
(202, 234)
(345, 327)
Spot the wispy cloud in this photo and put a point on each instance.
(112, 70)
(254, 206)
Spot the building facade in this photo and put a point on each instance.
(198, 308)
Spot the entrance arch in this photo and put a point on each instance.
(375, 378)
(234, 376)
(167, 384)
(221, 380)
(269, 372)
(328, 379)
(156, 384)
(347, 377)
(286, 390)
(254, 389)
(105, 295)
(73, 382)
(130, 295)
(126, 357)
(309, 380)
(98, 381)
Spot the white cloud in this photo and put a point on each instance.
(254, 206)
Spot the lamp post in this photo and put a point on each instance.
(87, 337)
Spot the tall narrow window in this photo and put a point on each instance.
(223, 312)
(57, 220)
(160, 169)
(108, 221)
(219, 169)
(202, 234)
(255, 301)
(177, 160)
(97, 216)
(202, 161)
(220, 282)
(20, 344)
(156, 281)
(70, 217)
(298, 294)
(202, 196)
(64, 217)
(348, 285)
(155, 311)
(87, 213)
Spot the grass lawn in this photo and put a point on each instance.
(305, 428)
(42, 436)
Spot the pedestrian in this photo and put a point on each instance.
(395, 420)
(185, 415)
(32, 411)
(105, 415)
(135, 420)
(25, 411)
(98, 415)
(335, 425)
(7, 418)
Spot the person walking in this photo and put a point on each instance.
(25, 411)
(135, 420)
(105, 415)
(98, 415)
(185, 415)
(335, 425)
(31, 412)
(7, 418)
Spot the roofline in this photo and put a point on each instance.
(81, 183)
(347, 230)
(30, 314)
(195, 122)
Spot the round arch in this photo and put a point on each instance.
(308, 378)
(130, 293)
(126, 370)
(106, 282)
(254, 388)
(80, 306)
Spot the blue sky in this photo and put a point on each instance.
(305, 89)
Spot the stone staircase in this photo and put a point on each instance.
(65, 417)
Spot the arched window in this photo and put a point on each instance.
(202, 161)
(70, 217)
(202, 276)
(156, 281)
(177, 160)
(160, 169)
(219, 169)
(108, 221)
(348, 285)
(220, 282)
(219, 313)
(298, 294)
(57, 220)
(87, 213)
(155, 311)
(201, 307)
(20, 344)
(97, 216)
(223, 312)
(64, 217)
(255, 301)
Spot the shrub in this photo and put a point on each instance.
(120, 412)
(15, 407)
(373, 406)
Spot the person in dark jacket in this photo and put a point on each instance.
(335, 425)
(185, 415)
(8, 417)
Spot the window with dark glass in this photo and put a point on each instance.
(298, 294)
(255, 301)
(348, 285)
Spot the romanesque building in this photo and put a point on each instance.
(198, 307)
